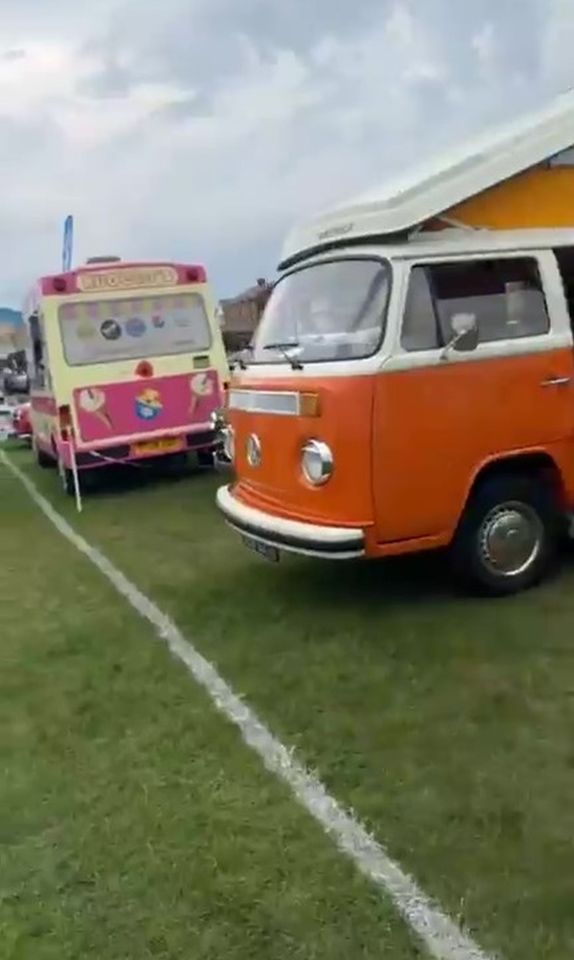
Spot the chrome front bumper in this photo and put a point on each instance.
(293, 536)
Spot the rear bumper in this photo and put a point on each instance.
(102, 456)
(293, 536)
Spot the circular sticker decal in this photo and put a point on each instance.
(158, 321)
(135, 327)
(111, 330)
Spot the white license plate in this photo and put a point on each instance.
(263, 549)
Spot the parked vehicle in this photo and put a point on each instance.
(411, 384)
(6, 420)
(15, 382)
(127, 364)
(14, 377)
(22, 423)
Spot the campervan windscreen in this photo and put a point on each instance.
(133, 328)
(335, 310)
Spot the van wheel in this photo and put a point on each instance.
(507, 538)
(206, 458)
(175, 464)
(67, 478)
(43, 460)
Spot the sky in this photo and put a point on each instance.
(202, 130)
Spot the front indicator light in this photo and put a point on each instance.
(316, 462)
(309, 405)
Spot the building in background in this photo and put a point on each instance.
(241, 315)
(11, 332)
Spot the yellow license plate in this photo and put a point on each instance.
(147, 447)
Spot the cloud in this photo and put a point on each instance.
(10, 56)
(202, 130)
(557, 44)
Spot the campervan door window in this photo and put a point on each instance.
(565, 258)
(421, 329)
(505, 296)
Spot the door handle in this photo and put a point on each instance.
(556, 382)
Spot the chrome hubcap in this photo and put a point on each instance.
(510, 539)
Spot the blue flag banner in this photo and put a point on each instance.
(68, 244)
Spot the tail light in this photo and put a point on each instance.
(196, 275)
(144, 369)
(65, 421)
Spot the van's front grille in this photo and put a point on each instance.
(282, 403)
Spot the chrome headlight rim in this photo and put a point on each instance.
(228, 437)
(318, 449)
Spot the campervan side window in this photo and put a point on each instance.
(504, 295)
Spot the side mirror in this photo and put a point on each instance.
(464, 338)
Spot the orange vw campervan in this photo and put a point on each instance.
(411, 384)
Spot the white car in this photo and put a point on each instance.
(7, 428)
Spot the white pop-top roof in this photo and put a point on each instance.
(446, 181)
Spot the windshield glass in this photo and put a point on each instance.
(328, 311)
(102, 331)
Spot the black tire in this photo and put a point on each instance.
(43, 460)
(206, 458)
(68, 482)
(488, 514)
(173, 465)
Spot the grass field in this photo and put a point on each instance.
(135, 824)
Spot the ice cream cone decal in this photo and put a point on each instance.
(104, 417)
(93, 401)
(201, 387)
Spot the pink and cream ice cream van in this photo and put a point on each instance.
(126, 363)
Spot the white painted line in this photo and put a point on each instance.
(443, 939)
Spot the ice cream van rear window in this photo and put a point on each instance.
(101, 331)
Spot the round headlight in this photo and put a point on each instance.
(228, 434)
(316, 462)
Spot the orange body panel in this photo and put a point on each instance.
(542, 197)
(407, 444)
(410, 437)
(435, 427)
(344, 422)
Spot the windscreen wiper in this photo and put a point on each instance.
(284, 349)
